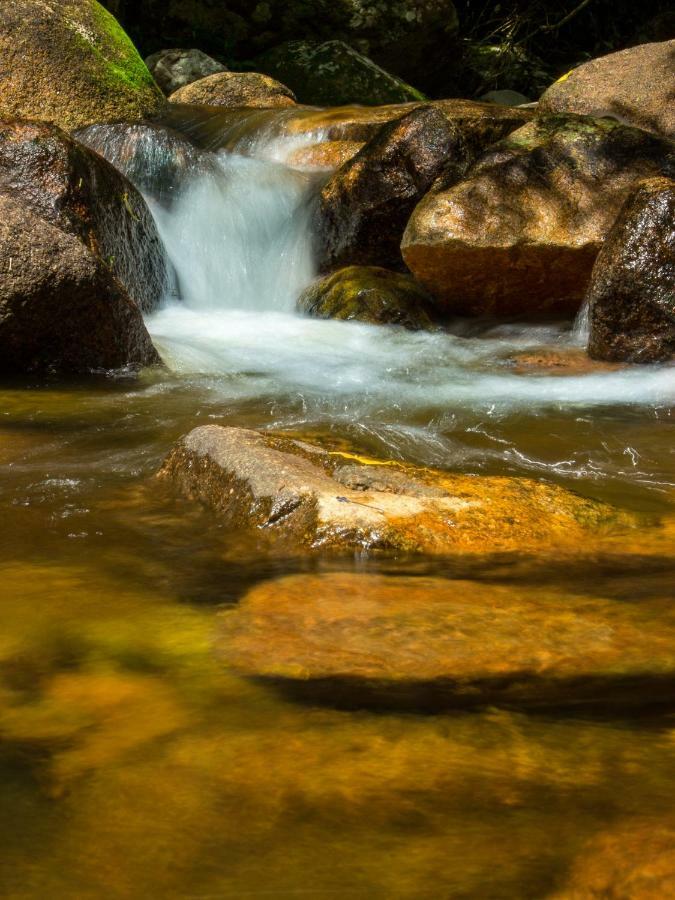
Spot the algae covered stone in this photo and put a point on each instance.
(334, 74)
(369, 294)
(70, 62)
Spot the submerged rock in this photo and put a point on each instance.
(72, 64)
(235, 89)
(631, 297)
(69, 186)
(636, 86)
(519, 235)
(369, 294)
(634, 860)
(328, 155)
(173, 69)
(61, 308)
(334, 74)
(363, 209)
(429, 643)
(301, 496)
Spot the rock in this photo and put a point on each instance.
(631, 297)
(429, 643)
(505, 98)
(61, 309)
(369, 294)
(566, 361)
(634, 860)
(409, 37)
(363, 209)
(157, 160)
(235, 89)
(519, 235)
(334, 74)
(636, 86)
(72, 64)
(74, 189)
(329, 155)
(300, 496)
(173, 69)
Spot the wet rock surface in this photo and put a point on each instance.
(334, 74)
(520, 233)
(636, 86)
(299, 495)
(58, 179)
(61, 309)
(369, 294)
(173, 69)
(429, 642)
(363, 209)
(71, 63)
(328, 155)
(235, 89)
(631, 296)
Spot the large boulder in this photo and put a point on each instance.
(519, 235)
(631, 297)
(76, 190)
(363, 209)
(235, 89)
(61, 309)
(369, 294)
(173, 69)
(334, 74)
(636, 86)
(299, 496)
(429, 642)
(80, 257)
(69, 62)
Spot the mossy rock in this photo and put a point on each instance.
(334, 74)
(369, 294)
(72, 64)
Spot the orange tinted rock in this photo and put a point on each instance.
(558, 362)
(426, 641)
(520, 233)
(300, 495)
(235, 89)
(329, 155)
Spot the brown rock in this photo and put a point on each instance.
(364, 207)
(519, 235)
(77, 191)
(61, 309)
(69, 62)
(636, 86)
(631, 296)
(384, 640)
(369, 294)
(235, 89)
(301, 496)
(329, 155)
(635, 860)
(568, 361)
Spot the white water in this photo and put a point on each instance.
(237, 232)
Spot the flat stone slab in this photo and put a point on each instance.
(361, 640)
(303, 496)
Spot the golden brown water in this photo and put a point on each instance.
(135, 766)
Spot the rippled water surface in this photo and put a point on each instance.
(133, 763)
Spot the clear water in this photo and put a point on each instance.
(133, 764)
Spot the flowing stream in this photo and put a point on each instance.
(133, 764)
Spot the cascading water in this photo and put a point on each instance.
(235, 221)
